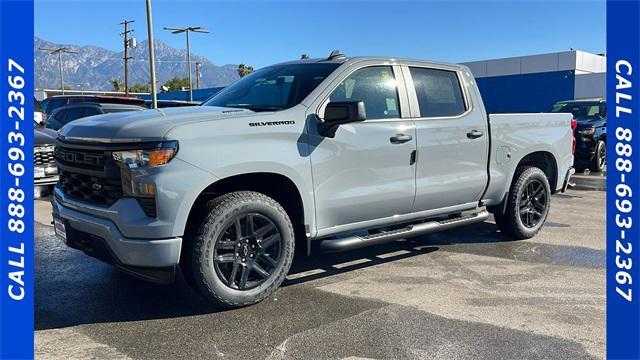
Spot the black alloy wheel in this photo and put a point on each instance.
(248, 251)
(533, 203)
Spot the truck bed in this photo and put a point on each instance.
(515, 135)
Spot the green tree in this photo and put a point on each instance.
(244, 70)
(140, 88)
(117, 85)
(304, 57)
(177, 83)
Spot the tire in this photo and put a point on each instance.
(600, 158)
(234, 268)
(527, 205)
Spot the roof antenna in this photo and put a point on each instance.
(335, 54)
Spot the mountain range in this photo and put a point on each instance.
(93, 67)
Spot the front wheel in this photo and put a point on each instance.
(527, 205)
(600, 157)
(243, 249)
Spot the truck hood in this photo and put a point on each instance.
(43, 136)
(146, 125)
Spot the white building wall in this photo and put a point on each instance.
(576, 60)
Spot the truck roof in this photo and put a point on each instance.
(341, 58)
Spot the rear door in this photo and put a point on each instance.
(365, 172)
(453, 139)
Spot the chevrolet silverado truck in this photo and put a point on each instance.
(326, 154)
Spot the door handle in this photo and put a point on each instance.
(474, 134)
(400, 138)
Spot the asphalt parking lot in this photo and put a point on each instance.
(465, 293)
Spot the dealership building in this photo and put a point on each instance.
(534, 83)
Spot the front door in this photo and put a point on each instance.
(366, 171)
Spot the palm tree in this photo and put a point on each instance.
(117, 84)
(244, 70)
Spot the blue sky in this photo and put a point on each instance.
(260, 33)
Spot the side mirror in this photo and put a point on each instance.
(341, 112)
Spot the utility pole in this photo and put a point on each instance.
(152, 60)
(198, 74)
(126, 54)
(59, 51)
(187, 30)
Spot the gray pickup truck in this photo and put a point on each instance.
(330, 154)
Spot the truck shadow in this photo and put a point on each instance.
(73, 289)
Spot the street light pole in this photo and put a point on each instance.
(61, 73)
(59, 51)
(152, 64)
(186, 30)
(189, 67)
(198, 74)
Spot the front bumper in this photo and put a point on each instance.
(99, 236)
(49, 180)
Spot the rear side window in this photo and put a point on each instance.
(438, 91)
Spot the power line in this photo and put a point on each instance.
(126, 58)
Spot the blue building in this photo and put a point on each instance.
(534, 83)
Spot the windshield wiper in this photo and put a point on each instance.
(255, 107)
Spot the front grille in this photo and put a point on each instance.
(89, 188)
(43, 156)
(88, 175)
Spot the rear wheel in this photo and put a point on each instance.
(243, 249)
(527, 205)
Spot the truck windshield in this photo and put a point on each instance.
(273, 88)
(581, 110)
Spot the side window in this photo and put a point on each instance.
(73, 114)
(56, 103)
(376, 87)
(438, 91)
(90, 111)
(61, 115)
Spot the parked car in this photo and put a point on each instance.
(66, 114)
(171, 103)
(52, 103)
(45, 171)
(590, 132)
(38, 114)
(342, 152)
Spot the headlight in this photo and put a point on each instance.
(155, 155)
(587, 131)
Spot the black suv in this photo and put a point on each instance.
(52, 103)
(66, 114)
(590, 133)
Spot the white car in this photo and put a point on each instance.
(38, 114)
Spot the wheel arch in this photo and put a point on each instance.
(277, 186)
(543, 160)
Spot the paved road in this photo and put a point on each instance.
(465, 293)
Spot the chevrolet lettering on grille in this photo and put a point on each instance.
(78, 158)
